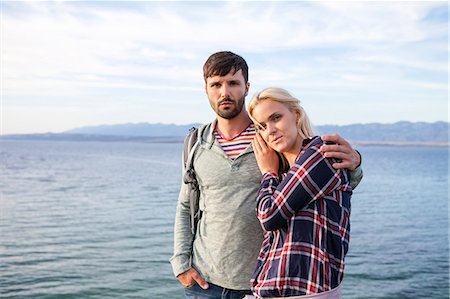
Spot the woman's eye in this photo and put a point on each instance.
(261, 128)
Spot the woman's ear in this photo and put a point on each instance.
(298, 115)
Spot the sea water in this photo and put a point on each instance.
(95, 220)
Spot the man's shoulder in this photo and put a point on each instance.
(205, 132)
(198, 130)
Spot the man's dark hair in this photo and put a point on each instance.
(221, 63)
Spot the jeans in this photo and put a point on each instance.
(214, 292)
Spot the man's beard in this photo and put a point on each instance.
(230, 112)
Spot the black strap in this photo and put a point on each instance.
(189, 177)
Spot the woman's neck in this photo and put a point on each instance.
(292, 154)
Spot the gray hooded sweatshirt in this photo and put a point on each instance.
(228, 236)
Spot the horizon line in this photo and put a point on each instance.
(199, 123)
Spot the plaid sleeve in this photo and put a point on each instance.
(311, 177)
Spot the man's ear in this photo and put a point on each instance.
(247, 88)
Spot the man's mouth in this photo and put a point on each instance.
(226, 103)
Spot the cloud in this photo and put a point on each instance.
(79, 52)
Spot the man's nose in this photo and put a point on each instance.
(224, 91)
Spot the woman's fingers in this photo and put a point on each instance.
(261, 143)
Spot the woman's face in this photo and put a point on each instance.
(278, 126)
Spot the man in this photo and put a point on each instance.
(219, 260)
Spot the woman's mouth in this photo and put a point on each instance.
(276, 139)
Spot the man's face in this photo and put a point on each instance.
(227, 94)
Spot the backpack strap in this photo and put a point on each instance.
(189, 142)
(189, 178)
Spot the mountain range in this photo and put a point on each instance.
(403, 132)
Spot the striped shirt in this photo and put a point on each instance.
(306, 223)
(233, 147)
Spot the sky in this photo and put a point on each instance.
(70, 64)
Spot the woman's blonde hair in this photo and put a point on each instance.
(293, 104)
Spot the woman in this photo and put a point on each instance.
(304, 210)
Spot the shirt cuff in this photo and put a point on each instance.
(180, 264)
(269, 175)
(356, 177)
(360, 158)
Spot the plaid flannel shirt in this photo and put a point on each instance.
(306, 223)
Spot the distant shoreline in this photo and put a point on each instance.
(179, 139)
(401, 133)
(401, 143)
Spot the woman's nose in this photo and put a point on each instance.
(271, 128)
